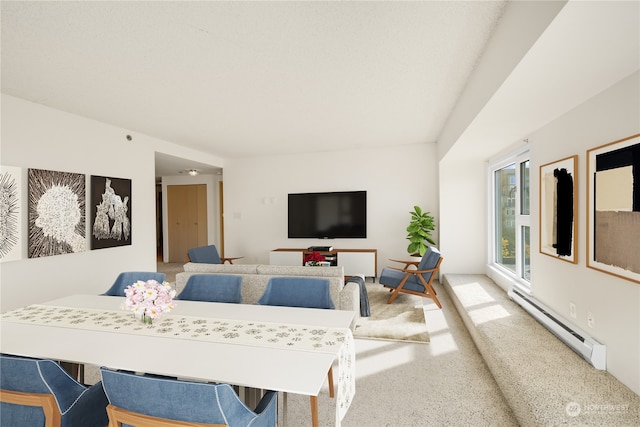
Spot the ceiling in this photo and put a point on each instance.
(167, 165)
(243, 78)
(239, 79)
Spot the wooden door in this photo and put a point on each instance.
(187, 218)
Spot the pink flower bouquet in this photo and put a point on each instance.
(149, 300)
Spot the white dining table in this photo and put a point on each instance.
(287, 370)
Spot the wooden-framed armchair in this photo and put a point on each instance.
(415, 277)
(119, 417)
(38, 392)
(156, 401)
(209, 255)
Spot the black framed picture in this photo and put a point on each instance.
(558, 209)
(57, 219)
(110, 212)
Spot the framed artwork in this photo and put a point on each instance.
(110, 212)
(613, 208)
(559, 208)
(10, 213)
(57, 219)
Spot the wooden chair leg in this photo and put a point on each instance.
(398, 288)
(394, 295)
(437, 301)
(430, 291)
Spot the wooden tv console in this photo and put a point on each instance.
(354, 261)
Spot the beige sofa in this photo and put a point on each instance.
(256, 276)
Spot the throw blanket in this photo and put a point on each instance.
(365, 311)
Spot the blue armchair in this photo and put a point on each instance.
(129, 277)
(36, 392)
(157, 399)
(208, 255)
(212, 288)
(415, 277)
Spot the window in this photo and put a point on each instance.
(510, 217)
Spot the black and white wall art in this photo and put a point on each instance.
(558, 209)
(57, 218)
(110, 212)
(10, 213)
(613, 208)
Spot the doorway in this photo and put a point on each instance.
(187, 219)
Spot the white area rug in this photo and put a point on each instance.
(402, 320)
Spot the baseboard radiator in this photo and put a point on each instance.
(591, 350)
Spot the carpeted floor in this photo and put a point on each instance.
(171, 269)
(402, 384)
(544, 381)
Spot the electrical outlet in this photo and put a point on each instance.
(572, 310)
(591, 321)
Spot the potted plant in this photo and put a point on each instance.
(419, 231)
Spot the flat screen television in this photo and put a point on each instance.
(332, 215)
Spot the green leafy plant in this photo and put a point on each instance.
(419, 231)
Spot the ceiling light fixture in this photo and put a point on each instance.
(192, 172)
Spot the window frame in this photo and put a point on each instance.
(522, 155)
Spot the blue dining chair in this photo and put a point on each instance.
(415, 277)
(208, 255)
(212, 288)
(129, 277)
(160, 401)
(37, 392)
(310, 292)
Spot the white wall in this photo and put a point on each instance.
(255, 196)
(34, 136)
(395, 179)
(463, 155)
(615, 303)
(463, 215)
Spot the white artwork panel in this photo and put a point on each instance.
(10, 213)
